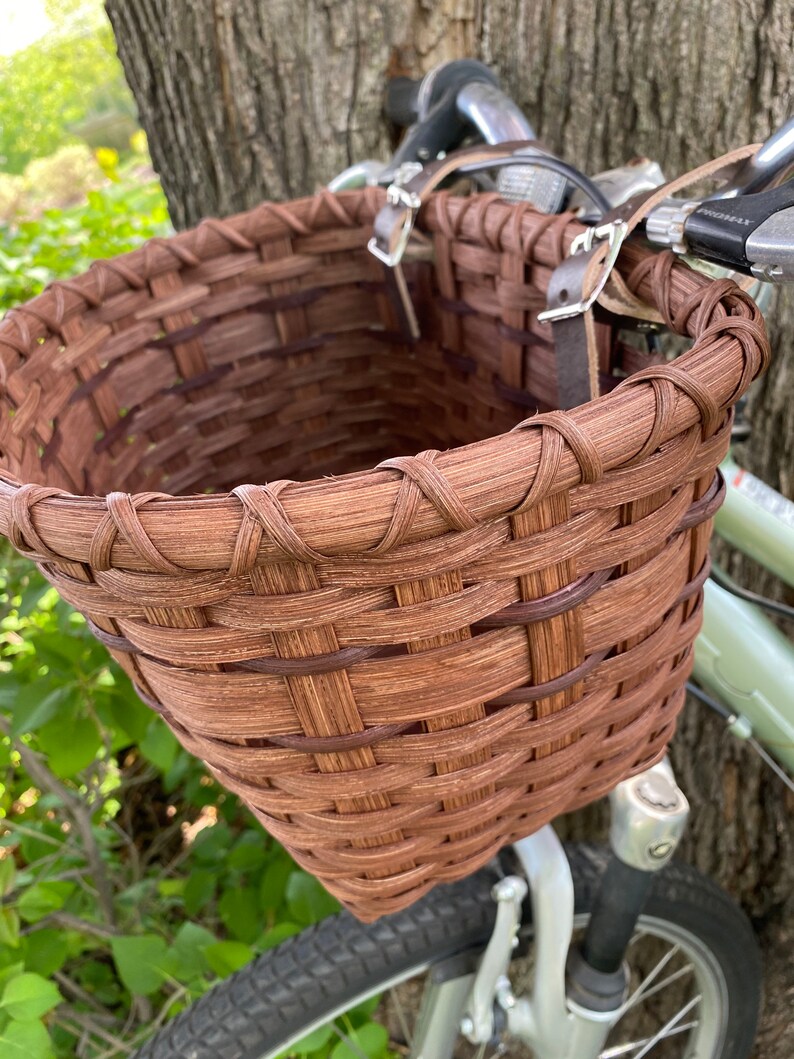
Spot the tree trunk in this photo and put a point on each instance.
(250, 99)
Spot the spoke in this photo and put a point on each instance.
(649, 980)
(663, 1032)
(400, 1011)
(642, 995)
(629, 1046)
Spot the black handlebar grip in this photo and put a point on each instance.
(402, 100)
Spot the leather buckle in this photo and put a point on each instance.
(399, 196)
(613, 233)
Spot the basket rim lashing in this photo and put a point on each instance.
(335, 517)
(450, 534)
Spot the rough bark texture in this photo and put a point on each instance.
(248, 99)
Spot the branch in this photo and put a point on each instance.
(48, 781)
(87, 1024)
(78, 993)
(84, 926)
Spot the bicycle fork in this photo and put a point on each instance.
(578, 989)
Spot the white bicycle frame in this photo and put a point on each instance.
(649, 813)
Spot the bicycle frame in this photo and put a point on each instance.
(740, 656)
(644, 834)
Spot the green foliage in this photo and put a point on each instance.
(27, 997)
(64, 242)
(52, 87)
(129, 880)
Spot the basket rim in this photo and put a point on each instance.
(348, 515)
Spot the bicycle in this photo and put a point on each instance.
(626, 943)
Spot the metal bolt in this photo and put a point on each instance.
(466, 1026)
(510, 888)
(504, 994)
(660, 850)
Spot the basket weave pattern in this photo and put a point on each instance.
(399, 669)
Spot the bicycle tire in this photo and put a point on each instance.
(286, 992)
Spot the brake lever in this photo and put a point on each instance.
(753, 234)
(440, 129)
(440, 125)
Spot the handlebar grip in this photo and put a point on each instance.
(402, 100)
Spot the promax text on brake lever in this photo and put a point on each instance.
(753, 234)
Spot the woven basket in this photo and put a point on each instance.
(399, 669)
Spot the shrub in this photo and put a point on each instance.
(12, 196)
(63, 178)
(51, 87)
(63, 242)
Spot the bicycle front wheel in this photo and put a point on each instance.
(694, 980)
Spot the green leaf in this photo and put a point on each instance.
(33, 708)
(226, 957)
(212, 844)
(28, 997)
(9, 927)
(128, 712)
(273, 888)
(9, 972)
(280, 932)
(308, 902)
(312, 1042)
(34, 848)
(249, 851)
(43, 898)
(171, 887)
(199, 890)
(59, 654)
(159, 745)
(186, 957)
(239, 910)
(8, 875)
(140, 962)
(371, 1039)
(25, 1040)
(70, 743)
(101, 981)
(46, 951)
(362, 1012)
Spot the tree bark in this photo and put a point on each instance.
(250, 99)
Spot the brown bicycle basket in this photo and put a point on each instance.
(402, 668)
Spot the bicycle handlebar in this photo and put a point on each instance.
(402, 100)
(747, 225)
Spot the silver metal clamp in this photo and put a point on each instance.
(613, 233)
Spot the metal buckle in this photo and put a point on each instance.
(614, 233)
(397, 195)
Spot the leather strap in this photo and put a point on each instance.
(396, 218)
(391, 218)
(575, 345)
(616, 297)
(574, 337)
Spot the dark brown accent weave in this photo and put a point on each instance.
(399, 669)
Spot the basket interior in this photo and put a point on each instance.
(244, 384)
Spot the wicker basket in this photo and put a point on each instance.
(399, 669)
